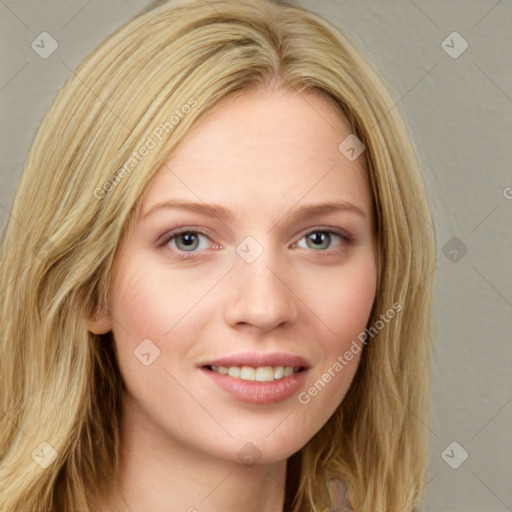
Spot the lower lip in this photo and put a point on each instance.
(259, 392)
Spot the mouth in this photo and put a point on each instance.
(260, 385)
(258, 374)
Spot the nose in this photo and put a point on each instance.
(261, 295)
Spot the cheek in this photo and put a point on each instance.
(343, 300)
(150, 299)
(343, 305)
(137, 305)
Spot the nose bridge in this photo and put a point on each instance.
(260, 295)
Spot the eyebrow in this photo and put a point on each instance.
(223, 213)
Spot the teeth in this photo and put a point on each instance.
(234, 371)
(260, 374)
(278, 372)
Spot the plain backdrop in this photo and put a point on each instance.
(457, 104)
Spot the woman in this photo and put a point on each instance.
(217, 279)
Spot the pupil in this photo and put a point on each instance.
(187, 237)
(319, 238)
(187, 240)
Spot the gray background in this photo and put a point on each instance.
(458, 111)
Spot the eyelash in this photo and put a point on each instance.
(191, 255)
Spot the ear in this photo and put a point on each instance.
(101, 323)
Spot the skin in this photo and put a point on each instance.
(260, 155)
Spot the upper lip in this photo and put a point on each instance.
(257, 359)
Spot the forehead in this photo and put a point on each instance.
(263, 148)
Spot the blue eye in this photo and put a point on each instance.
(186, 241)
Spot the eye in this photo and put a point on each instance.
(322, 239)
(186, 241)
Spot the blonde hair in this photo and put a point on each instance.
(61, 385)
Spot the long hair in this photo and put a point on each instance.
(144, 87)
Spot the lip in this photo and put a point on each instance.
(258, 392)
(256, 359)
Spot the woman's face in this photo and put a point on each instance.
(265, 275)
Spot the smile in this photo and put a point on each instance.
(246, 388)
